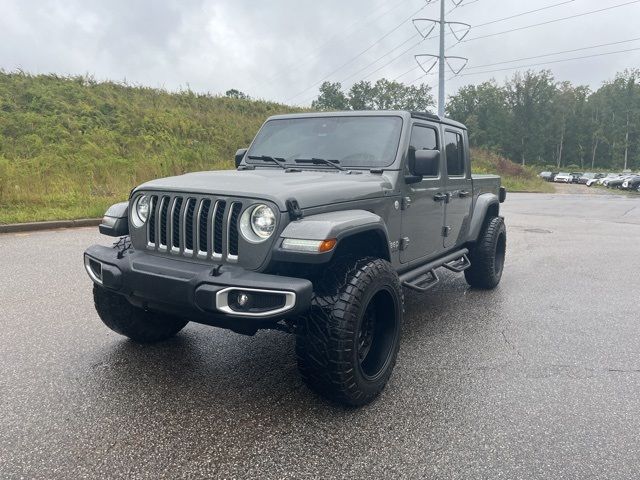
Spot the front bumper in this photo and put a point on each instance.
(198, 292)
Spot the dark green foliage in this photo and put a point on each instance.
(382, 95)
(70, 146)
(331, 98)
(536, 120)
(233, 93)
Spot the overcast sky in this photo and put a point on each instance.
(281, 49)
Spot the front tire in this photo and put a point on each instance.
(487, 255)
(139, 325)
(348, 344)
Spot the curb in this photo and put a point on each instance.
(35, 226)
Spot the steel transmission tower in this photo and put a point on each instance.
(441, 92)
(441, 59)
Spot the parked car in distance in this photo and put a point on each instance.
(575, 176)
(605, 180)
(585, 177)
(617, 182)
(547, 176)
(563, 177)
(632, 183)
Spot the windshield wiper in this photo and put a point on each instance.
(269, 158)
(322, 161)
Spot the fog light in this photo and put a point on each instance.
(243, 300)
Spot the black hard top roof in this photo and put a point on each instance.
(375, 113)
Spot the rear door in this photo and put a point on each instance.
(459, 187)
(422, 215)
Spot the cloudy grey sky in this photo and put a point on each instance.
(281, 49)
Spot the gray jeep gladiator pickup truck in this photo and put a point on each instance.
(325, 220)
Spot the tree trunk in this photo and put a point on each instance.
(595, 139)
(626, 144)
(560, 147)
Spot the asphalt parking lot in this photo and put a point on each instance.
(537, 379)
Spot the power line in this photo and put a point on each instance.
(504, 32)
(465, 4)
(550, 21)
(404, 52)
(313, 53)
(550, 62)
(528, 12)
(536, 24)
(535, 56)
(401, 24)
(504, 19)
(554, 53)
(511, 17)
(388, 63)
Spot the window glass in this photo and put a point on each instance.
(422, 138)
(455, 154)
(358, 141)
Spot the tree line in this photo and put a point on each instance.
(531, 118)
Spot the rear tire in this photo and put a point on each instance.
(139, 325)
(487, 255)
(348, 344)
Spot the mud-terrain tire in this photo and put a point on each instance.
(487, 255)
(139, 325)
(348, 344)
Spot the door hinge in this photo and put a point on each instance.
(404, 243)
(406, 203)
(446, 231)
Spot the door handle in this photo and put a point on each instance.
(440, 197)
(463, 194)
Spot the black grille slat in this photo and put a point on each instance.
(151, 229)
(203, 229)
(188, 224)
(233, 228)
(163, 220)
(218, 226)
(175, 223)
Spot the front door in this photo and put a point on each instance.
(423, 213)
(459, 188)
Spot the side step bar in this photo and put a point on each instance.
(424, 277)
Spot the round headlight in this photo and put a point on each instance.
(258, 223)
(140, 212)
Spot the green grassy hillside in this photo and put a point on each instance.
(515, 177)
(70, 147)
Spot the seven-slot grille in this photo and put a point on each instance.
(202, 227)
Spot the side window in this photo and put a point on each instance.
(455, 154)
(422, 138)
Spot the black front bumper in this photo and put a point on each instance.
(194, 290)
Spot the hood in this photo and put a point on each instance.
(311, 188)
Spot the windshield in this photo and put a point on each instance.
(563, 174)
(367, 142)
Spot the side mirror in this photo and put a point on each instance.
(425, 163)
(240, 155)
(115, 222)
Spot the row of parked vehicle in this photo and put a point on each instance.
(624, 181)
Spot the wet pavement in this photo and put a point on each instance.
(537, 379)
